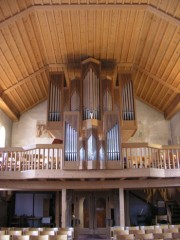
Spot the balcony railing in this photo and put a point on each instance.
(31, 158)
(50, 156)
(144, 155)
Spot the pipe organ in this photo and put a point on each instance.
(94, 116)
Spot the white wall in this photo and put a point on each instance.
(152, 127)
(175, 128)
(24, 132)
(7, 123)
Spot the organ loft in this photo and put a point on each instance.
(92, 116)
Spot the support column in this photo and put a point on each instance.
(57, 210)
(121, 207)
(64, 208)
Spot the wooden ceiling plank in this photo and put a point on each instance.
(60, 34)
(173, 67)
(56, 40)
(173, 108)
(4, 80)
(44, 83)
(139, 83)
(161, 90)
(33, 34)
(28, 94)
(38, 37)
(142, 40)
(169, 99)
(126, 37)
(169, 35)
(45, 31)
(98, 34)
(5, 9)
(151, 35)
(144, 87)
(67, 35)
(13, 6)
(161, 102)
(25, 80)
(28, 46)
(24, 63)
(149, 104)
(16, 99)
(25, 89)
(156, 78)
(161, 49)
(137, 24)
(156, 44)
(8, 57)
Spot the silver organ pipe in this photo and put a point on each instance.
(91, 85)
(54, 101)
(91, 148)
(113, 149)
(70, 143)
(101, 154)
(128, 102)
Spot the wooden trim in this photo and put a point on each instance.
(88, 185)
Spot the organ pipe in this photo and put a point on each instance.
(91, 93)
(128, 101)
(113, 143)
(70, 143)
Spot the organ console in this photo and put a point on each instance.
(92, 117)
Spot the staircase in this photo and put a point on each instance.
(175, 211)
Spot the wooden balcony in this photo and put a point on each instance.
(138, 160)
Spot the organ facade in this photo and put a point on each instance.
(92, 116)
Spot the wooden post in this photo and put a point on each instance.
(64, 207)
(121, 207)
(57, 210)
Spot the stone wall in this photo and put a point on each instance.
(30, 129)
(152, 127)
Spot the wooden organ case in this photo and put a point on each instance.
(92, 117)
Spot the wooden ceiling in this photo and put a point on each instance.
(42, 36)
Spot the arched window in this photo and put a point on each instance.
(2, 136)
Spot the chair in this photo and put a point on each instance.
(31, 232)
(5, 237)
(146, 227)
(2, 232)
(132, 228)
(46, 232)
(158, 230)
(21, 237)
(58, 237)
(176, 235)
(122, 237)
(171, 230)
(40, 237)
(14, 232)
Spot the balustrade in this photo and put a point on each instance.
(50, 157)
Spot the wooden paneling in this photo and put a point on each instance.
(141, 36)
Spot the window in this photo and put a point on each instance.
(2, 136)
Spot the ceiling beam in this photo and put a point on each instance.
(90, 185)
(173, 108)
(9, 108)
(157, 79)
